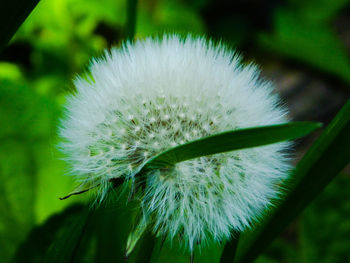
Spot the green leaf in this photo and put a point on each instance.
(12, 15)
(40, 238)
(230, 141)
(65, 245)
(325, 159)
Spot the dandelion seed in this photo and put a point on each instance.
(204, 90)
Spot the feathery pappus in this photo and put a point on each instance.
(146, 97)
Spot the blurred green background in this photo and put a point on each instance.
(303, 46)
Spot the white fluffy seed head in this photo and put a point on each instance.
(146, 97)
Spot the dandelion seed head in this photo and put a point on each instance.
(155, 94)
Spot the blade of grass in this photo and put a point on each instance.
(230, 141)
(131, 19)
(12, 15)
(326, 158)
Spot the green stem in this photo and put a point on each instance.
(131, 19)
(229, 253)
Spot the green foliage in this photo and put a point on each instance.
(18, 194)
(325, 228)
(41, 238)
(78, 234)
(64, 246)
(321, 234)
(318, 10)
(25, 161)
(302, 32)
(325, 159)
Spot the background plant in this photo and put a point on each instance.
(303, 43)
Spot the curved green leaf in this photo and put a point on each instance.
(326, 158)
(230, 141)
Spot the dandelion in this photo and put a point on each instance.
(146, 97)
